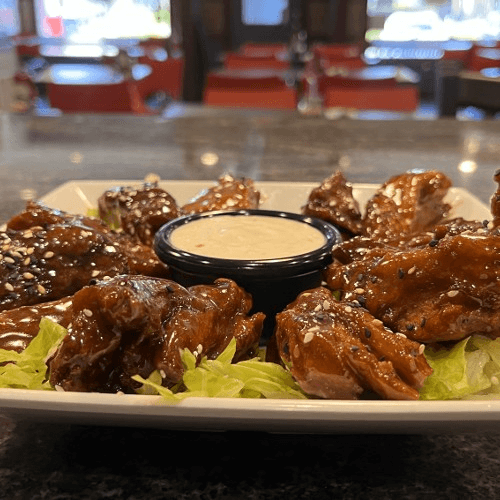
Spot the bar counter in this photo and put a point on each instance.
(41, 458)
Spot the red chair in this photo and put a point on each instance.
(329, 64)
(484, 58)
(255, 49)
(461, 55)
(166, 76)
(153, 42)
(120, 97)
(337, 51)
(243, 98)
(403, 99)
(243, 81)
(240, 61)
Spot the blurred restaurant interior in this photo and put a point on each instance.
(357, 58)
(283, 92)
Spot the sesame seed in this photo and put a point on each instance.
(48, 255)
(308, 337)
(359, 290)
(95, 273)
(317, 308)
(87, 313)
(9, 260)
(452, 293)
(9, 287)
(28, 276)
(348, 309)
(326, 305)
(41, 289)
(110, 248)
(163, 374)
(421, 349)
(411, 270)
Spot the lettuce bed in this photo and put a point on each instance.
(468, 370)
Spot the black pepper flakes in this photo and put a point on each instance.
(401, 274)
(410, 327)
(423, 322)
(433, 242)
(368, 333)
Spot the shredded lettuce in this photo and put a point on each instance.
(220, 378)
(470, 370)
(27, 369)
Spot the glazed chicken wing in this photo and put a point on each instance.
(133, 325)
(338, 350)
(139, 211)
(47, 254)
(333, 202)
(407, 204)
(445, 289)
(228, 194)
(19, 326)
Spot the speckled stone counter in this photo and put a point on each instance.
(48, 460)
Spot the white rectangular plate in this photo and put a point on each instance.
(309, 416)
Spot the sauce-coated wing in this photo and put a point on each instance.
(336, 350)
(228, 194)
(443, 290)
(47, 254)
(333, 202)
(138, 211)
(133, 325)
(19, 326)
(406, 204)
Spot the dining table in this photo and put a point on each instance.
(85, 449)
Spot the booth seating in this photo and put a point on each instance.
(166, 76)
(402, 99)
(258, 88)
(337, 50)
(121, 97)
(484, 58)
(348, 56)
(387, 88)
(233, 60)
(256, 49)
(242, 98)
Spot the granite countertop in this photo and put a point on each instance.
(49, 459)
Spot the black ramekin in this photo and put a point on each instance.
(273, 283)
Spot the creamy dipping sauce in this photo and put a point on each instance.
(247, 237)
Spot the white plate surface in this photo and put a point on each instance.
(310, 416)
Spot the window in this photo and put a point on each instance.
(9, 18)
(88, 21)
(264, 12)
(433, 20)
